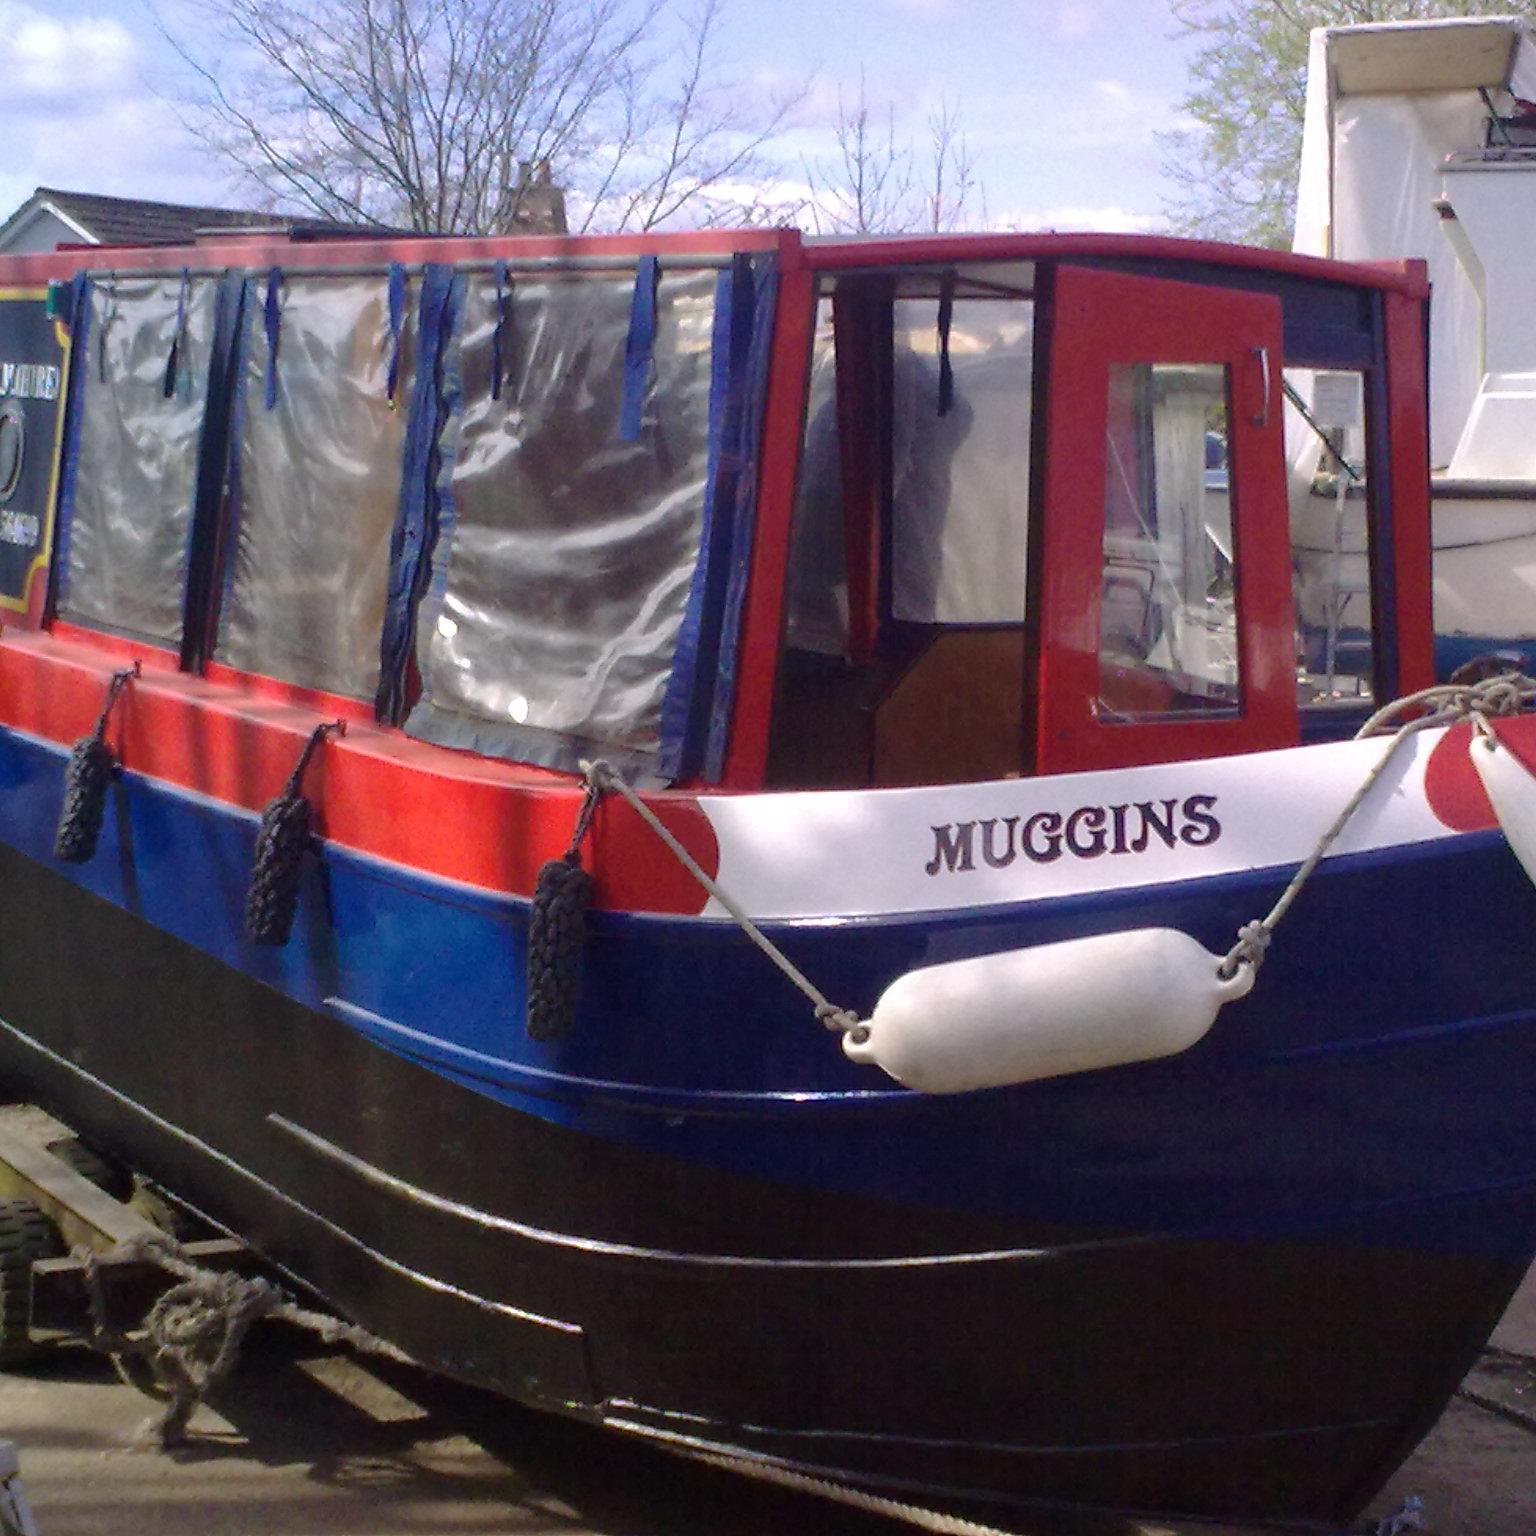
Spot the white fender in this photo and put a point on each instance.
(1025, 1014)
(1512, 792)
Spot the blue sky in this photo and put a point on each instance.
(1061, 99)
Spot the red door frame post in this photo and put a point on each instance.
(1099, 318)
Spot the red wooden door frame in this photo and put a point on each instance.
(1098, 319)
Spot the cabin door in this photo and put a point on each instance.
(1164, 577)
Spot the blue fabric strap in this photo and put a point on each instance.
(696, 708)
(396, 321)
(74, 399)
(639, 348)
(107, 311)
(946, 319)
(685, 705)
(79, 306)
(499, 335)
(173, 358)
(272, 316)
(755, 341)
(415, 530)
(216, 472)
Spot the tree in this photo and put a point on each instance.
(456, 115)
(877, 182)
(1236, 173)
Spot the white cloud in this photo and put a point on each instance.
(1108, 218)
(55, 60)
(77, 114)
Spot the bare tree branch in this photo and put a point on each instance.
(444, 114)
(871, 183)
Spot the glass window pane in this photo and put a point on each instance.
(817, 595)
(1326, 451)
(126, 563)
(563, 583)
(960, 481)
(318, 486)
(1168, 615)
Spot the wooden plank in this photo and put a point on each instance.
(83, 1214)
(130, 1285)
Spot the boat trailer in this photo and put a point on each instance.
(75, 1261)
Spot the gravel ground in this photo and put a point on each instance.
(309, 1442)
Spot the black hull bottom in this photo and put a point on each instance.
(1241, 1380)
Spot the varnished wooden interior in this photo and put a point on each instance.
(952, 713)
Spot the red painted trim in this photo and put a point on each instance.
(333, 705)
(1412, 554)
(1102, 318)
(376, 791)
(1406, 277)
(297, 255)
(119, 647)
(783, 424)
(1453, 786)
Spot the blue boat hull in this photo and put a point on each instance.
(1230, 1283)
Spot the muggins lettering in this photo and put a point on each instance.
(1088, 832)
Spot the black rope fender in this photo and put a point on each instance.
(557, 932)
(272, 897)
(87, 777)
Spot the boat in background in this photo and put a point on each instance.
(890, 578)
(1420, 141)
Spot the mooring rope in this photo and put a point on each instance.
(842, 1020)
(935, 1521)
(1504, 694)
(193, 1332)
(1446, 703)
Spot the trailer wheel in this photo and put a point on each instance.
(26, 1235)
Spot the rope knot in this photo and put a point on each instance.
(193, 1336)
(1253, 940)
(842, 1021)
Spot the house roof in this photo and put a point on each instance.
(103, 220)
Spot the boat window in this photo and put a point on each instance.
(143, 376)
(916, 673)
(317, 480)
(960, 475)
(1168, 613)
(1326, 448)
(569, 546)
(816, 599)
(959, 480)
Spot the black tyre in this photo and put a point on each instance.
(26, 1235)
(109, 1177)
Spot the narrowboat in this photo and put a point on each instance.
(889, 578)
